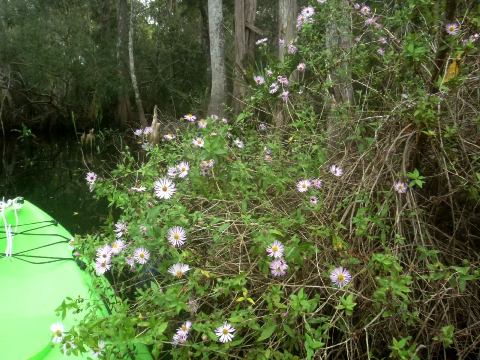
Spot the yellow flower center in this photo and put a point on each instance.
(164, 188)
(341, 278)
(275, 248)
(225, 331)
(179, 273)
(176, 236)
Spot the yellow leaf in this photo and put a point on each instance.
(205, 273)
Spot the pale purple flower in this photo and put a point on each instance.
(365, 10)
(91, 178)
(179, 339)
(278, 267)
(138, 132)
(336, 170)
(308, 11)
(269, 72)
(183, 168)
(261, 42)
(275, 249)
(202, 124)
(292, 49)
(177, 236)
(452, 29)
(340, 277)
(282, 80)
(102, 266)
(225, 332)
(303, 185)
(381, 51)
(141, 255)
(273, 88)
(356, 6)
(198, 142)
(118, 246)
(147, 130)
(262, 127)
(259, 80)
(172, 172)
(178, 270)
(190, 117)
(285, 94)
(400, 187)
(104, 253)
(185, 328)
(169, 137)
(130, 261)
(370, 21)
(317, 183)
(121, 229)
(301, 67)
(382, 40)
(313, 200)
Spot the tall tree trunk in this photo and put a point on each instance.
(138, 100)
(287, 22)
(339, 41)
(205, 41)
(217, 58)
(124, 107)
(245, 11)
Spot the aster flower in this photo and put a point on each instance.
(356, 6)
(365, 10)
(285, 94)
(190, 117)
(225, 121)
(183, 168)
(141, 255)
(259, 80)
(138, 188)
(371, 21)
(172, 171)
(301, 67)
(179, 339)
(177, 236)
(164, 188)
(239, 143)
(104, 253)
(273, 88)
(317, 183)
(185, 328)
(138, 132)
(380, 51)
(178, 270)
(283, 80)
(275, 249)
(303, 185)
(336, 170)
(268, 72)
(262, 127)
(382, 40)
(148, 130)
(340, 277)
(118, 246)
(67, 347)
(102, 266)
(400, 187)
(225, 332)
(202, 124)
(278, 267)
(199, 142)
(120, 229)
(321, 2)
(308, 11)
(130, 261)
(98, 350)
(452, 29)
(313, 200)
(169, 137)
(91, 178)
(292, 49)
(57, 330)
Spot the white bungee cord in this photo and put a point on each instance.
(16, 204)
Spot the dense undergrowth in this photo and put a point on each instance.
(268, 215)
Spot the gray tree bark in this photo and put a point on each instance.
(339, 41)
(245, 12)
(217, 58)
(287, 24)
(138, 100)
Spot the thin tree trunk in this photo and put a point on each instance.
(124, 107)
(245, 12)
(217, 58)
(138, 100)
(287, 22)
(339, 41)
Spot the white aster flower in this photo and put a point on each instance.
(91, 178)
(177, 236)
(225, 332)
(172, 172)
(118, 246)
(179, 339)
(141, 255)
(303, 185)
(168, 137)
(275, 249)
(67, 347)
(340, 277)
(185, 328)
(199, 142)
(239, 143)
(58, 332)
(273, 88)
(120, 229)
(278, 267)
(164, 188)
(190, 117)
(104, 252)
(202, 124)
(183, 168)
(400, 187)
(336, 170)
(102, 266)
(178, 270)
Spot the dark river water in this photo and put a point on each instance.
(51, 174)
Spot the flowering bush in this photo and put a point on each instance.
(259, 240)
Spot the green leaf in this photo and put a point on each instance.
(267, 330)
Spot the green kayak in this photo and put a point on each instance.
(37, 272)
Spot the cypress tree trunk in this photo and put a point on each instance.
(287, 24)
(217, 58)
